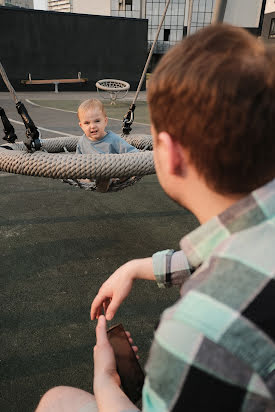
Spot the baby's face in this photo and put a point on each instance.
(93, 123)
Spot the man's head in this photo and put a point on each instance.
(92, 119)
(214, 95)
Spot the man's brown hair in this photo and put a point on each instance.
(215, 93)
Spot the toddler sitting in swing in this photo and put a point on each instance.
(93, 121)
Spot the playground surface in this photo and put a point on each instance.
(116, 111)
(58, 245)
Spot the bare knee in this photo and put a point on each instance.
(64, 398)
(52, 399)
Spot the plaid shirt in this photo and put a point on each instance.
(214, 350)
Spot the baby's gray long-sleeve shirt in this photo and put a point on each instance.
(111, 143)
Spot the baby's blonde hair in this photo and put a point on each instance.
(91, 104)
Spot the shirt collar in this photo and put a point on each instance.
(251, 210)
(96, 141)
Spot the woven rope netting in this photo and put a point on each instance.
(50, 162)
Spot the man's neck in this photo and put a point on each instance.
(213, 205)
(204, 202)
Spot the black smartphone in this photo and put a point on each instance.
(128, 367)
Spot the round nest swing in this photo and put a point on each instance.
(54, 160)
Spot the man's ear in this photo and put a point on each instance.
(175, 154)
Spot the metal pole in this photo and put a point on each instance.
(190, 12)
(142, 13)
(219, 11)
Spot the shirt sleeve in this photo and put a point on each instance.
(171, 268)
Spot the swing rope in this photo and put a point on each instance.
(218, 16)
(129, 117)
(8, 84)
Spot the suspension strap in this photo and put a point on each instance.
(128, 120)
(32, 140)
(10, 135)
(129, 117)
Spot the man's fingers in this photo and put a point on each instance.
(99, 312)
(106, 303)
(101, 334)
(112, 308)
(96, 305)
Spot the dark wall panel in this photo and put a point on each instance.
(59, 45)
(266, 28)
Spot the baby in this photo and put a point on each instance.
(93, 120)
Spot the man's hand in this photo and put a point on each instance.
(109, 396)
(104, 358)
(113, 292)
